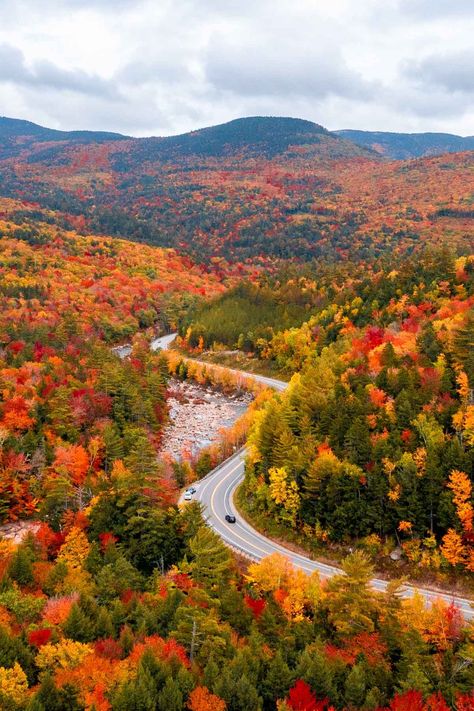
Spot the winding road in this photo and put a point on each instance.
(216, 494)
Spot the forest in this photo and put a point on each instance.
(349, 275)
(373, 441)
(247, 193)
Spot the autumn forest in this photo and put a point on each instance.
(269, 246)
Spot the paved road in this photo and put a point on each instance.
(216, 493)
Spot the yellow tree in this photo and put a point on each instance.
(75, 548)
(13, 683)
(461, 486)
(284, 493)
(66, 654)
(453, 548)
(270, 574)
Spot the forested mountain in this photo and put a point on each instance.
(351, 274)
(257, 189)
(258, 136)
(16, 134)
(409, 145)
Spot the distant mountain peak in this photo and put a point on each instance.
(401, 146)
(265, 136)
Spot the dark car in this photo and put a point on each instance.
(229, 518)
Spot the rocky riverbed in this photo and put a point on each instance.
(197, 414)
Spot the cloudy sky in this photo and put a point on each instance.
(158, 67)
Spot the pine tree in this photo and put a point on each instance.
(78, 626)
(140, 455)
(103, 625)
(21, 569)
(464, 347)
(50, 698)
(277, 680)
(211, 675)
(350, 600)
(428, 343)
(113, 446)
(212, 562)
(170, 697)
(355, 686)
(315, 670)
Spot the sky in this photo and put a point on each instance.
(161, 67)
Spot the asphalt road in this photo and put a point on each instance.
(216, 493)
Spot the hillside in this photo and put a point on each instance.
(251, 190)
(401, 146)
(257, 136)
(16, 135)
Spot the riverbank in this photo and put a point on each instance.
(198, 414)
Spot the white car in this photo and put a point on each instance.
(188, 496)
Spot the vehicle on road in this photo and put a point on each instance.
(229, 518)
(188, 496)
(191, 490)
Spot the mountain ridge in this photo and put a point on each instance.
(403, 146)
(250, 135)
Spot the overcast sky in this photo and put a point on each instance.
(158, 67)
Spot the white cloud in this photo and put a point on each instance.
(143, 67)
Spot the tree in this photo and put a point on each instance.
(50, 698)
(66, 654)
(301, 698)
(211, 562)
(170, 697)
(13, 683)
(284, 493)
(78, 626)
(349, 599)
(464, 346)
(277, 680)
(75, 549)
(201, 699)
(271, 573)
(355, 686)
(21, 569)
(453, 548)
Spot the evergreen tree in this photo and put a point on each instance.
(50, 698)
(355, 686)
(79, 626)
(170, 697)
(464, 347)
(351, 603)
(21, 569)
(103, 624)
(277, 680)
(315, 670)
(428, 343)
(211, 562)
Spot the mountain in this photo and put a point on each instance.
(17, 135)
(266, 136)
(251, 190)
(258, 136)
(401, 146)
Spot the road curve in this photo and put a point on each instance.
(216, 494)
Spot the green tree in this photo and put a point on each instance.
(355, 686)
(211, 562)
(350, 601)
(170, 697)
(79, 626)
(21, 569)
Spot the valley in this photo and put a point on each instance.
(341, 268)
